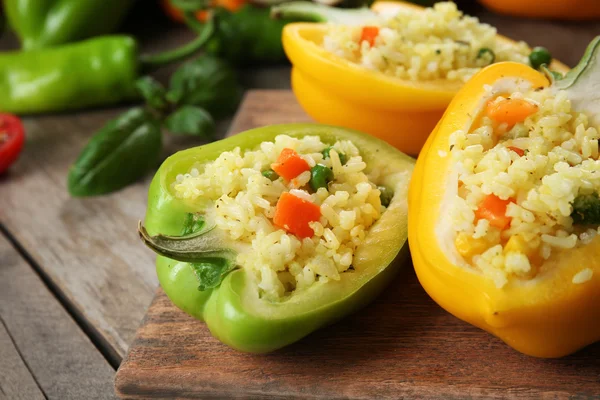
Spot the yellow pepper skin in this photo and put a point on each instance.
(335, 91)
(547, 9)
(544, 317)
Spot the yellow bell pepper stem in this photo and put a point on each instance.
(335, 91)
(546, 317)
(551, 9)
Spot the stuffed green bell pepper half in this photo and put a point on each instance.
(275, 232)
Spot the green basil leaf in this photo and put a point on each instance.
(193, 223)
(153, 92)
(189, 120)
(117, 155)
(211, 272)
(207, 82)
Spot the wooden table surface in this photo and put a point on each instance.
(74, 280)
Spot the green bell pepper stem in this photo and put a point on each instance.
(48, 23)
(196, 247)
(149, 63)
(582, 83)
(234, 310)
(192, 22)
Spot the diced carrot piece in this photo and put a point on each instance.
(293, 214)
(510, 111)
(369, 33)
(493, 209)
(289, 164)
(517, 150)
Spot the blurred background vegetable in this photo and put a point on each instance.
(46, 23)
(97, 71)
(246, 36)
(550, 9)
(176, 14)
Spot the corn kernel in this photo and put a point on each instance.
(517, 243)
(468, 247)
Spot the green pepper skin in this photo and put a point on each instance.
(233, 312)
(248, 36)
(47, 23)
(98, 71)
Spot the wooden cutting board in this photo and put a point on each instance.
(401, 346)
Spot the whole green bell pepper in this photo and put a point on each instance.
(46, 23)
(248, 36)
(232, 309)
(245, 37)
(98, 71)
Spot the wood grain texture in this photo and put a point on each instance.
(16, 382)
(64, 362)
(267, 107)
(402, 345)
(87, 247)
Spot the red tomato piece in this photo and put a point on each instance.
(12, 138)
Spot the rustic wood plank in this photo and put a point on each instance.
(16, 382)
(401, 346)
(64, 362)
(88, 247)
(267, 107)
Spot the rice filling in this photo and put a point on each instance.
(522, 182)
(437, 43)
(244, 194)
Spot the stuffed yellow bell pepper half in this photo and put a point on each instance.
(391, 70)
(504, 211)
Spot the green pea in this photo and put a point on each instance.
(486, 54)
(539, 56)
(385, 195)
(320, 176)
(342, 156)
(269, 173)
